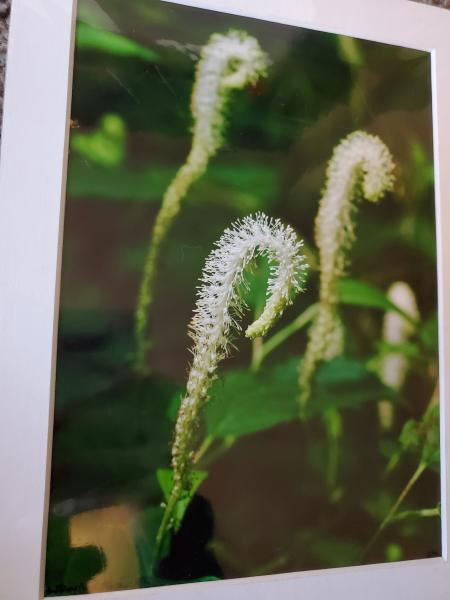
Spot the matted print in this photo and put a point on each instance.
(247, 351)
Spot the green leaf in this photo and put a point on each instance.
(91, 38)
(429, 332)
(165, 480)
(344, 383)
(89, 178)
(84, 563)
(243, 402)
(146, 548)
(105, 145)
(359, 293)
(422, 437)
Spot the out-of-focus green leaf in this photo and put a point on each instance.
(422, 169)
(106, 145)
(91, 38)
(83, 564)
(344, 383)
(329, 550)
(243, 402)
(87, 178)
(407, 349)
(422, 437)
(165, 480)
(394, 552)
(359, 293)
(255, 293)
(100, 441)
(428, 333)
(420, 234)
(67, 567)
(146, 547)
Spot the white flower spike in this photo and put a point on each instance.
(227, 62)
(361, 167)
(396, 331)
(218, 305)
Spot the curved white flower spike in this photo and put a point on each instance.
(227, 62)
(361, 166)
(396, 330)
(218, 303)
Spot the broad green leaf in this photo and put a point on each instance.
(243, 402)
(165, 480)
(344, 383)
(359, 293)
(91, 38)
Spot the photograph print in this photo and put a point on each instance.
(247, 357)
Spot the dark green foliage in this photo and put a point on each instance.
(99, 449)
(165, 480)
(68, 569)
(243, 402)
(99, 40)
(422, 437)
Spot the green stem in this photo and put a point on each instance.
(391, 514)
(185, 177)
(165, 521)
(333, 425)
(424, 513)
(207, 442)
(281, 336)
(257, 351)
(225, 444)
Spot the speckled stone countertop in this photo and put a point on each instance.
(4, 22)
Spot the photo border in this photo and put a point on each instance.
(32, 191)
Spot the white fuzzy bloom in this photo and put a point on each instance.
(397, 330)
(218, 305)
(361, 167)
(227, 62)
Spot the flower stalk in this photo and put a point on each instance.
(219, 302)
(396, 331)
(227, 62)
(361, 166)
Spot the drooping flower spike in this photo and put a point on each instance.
(397, 329)
(218, 305)
(227, 62)
(361, 167)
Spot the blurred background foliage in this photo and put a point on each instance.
(280, 495)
